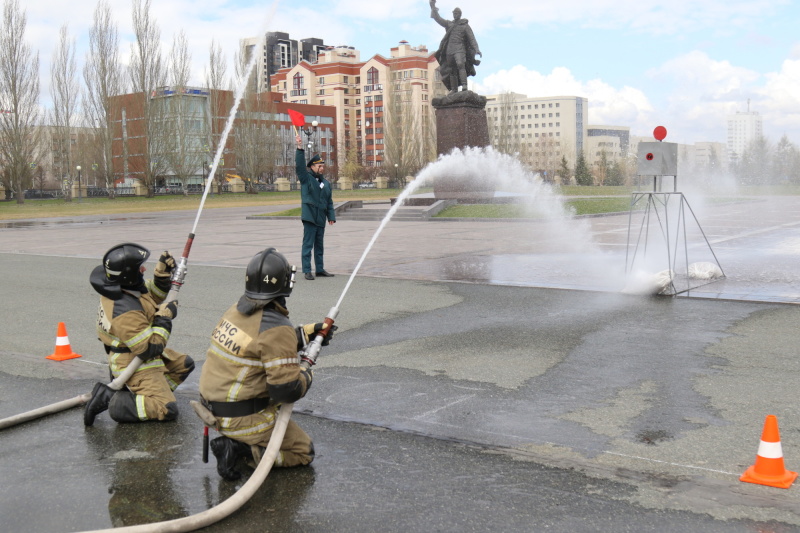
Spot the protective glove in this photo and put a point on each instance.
(308, 332)
(309, 377)
(168, 311)
(165, 265)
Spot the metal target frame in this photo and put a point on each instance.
(659, 160)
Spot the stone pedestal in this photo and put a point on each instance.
(382, 182)
(76, 190)
(461, 122)
(282, 185)
(345, 184)
(139, 189)
(236, 185)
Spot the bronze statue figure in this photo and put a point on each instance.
(457, 51)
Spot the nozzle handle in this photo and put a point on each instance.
(308, 358)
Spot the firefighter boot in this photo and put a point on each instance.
(101, 395)
(227, 451)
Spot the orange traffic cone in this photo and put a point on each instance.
(63, 349)
(769, 469)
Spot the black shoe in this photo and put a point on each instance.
(309, 276)
(101, 396)
(324, 274)
(227, 451)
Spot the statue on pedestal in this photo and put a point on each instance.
(457, 51)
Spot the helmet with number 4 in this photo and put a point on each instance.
(269, 275)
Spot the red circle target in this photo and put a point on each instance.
(660, 133)
(649, 157)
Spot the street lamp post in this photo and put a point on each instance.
(396, 177)
(309, 133)
(78, 168)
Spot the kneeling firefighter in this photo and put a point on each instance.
(253, 366)
(130, 324)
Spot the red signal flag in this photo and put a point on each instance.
(298, 119)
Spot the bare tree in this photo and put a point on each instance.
(19, 98)
(147, 77)
(184, 117)
(102, 74)
(64, 92)
(504, 125)
(215, 82)
(255, 132)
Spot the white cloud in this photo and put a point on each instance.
(626, 106)
(779, 99)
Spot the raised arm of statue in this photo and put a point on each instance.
(435, 15)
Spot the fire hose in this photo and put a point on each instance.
(308, 357)
(176, 281)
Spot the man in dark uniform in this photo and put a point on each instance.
(317, 207)
(131, 323)
(457, 51)
(252, 367)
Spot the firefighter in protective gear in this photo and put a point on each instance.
(252, 367)
(131, 322)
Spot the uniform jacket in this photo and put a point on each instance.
(316, 195)
(127, 326)
(253, 354)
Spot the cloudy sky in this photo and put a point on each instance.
(682, 64)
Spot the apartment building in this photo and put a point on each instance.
(614, 141)
(262, 126)
(278, 50)
(541, 129)
(380, 104)
(743, 128)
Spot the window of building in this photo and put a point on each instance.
(321, 80)
(345, 79)
(322, 102)
(373, 76)
(297, 81)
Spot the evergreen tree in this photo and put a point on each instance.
(582, 174)
(563, 171)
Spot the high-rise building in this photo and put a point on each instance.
(743, 128)
(382, 105)
(542, 129)
(278, 51)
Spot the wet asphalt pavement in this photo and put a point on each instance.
(491, 405)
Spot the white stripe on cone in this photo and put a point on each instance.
(770, 450)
